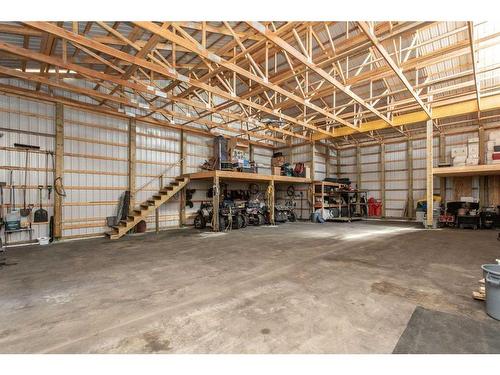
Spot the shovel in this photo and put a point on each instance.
(25, 211)
(40, 215)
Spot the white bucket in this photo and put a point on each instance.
(43, 240)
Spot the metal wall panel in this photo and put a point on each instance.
(95, 170)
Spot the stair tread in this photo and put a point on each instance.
(157, 199)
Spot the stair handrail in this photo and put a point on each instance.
(158, 176)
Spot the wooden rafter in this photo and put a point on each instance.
(394, 66)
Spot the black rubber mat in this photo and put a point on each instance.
(434, 332)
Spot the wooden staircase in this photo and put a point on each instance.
(148, 207)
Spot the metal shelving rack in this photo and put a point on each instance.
(354, 207)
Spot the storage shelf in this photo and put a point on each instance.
(243, 176)
(468, 170)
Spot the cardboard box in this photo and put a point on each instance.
(459, 160)
(277, 171)
(458, 151)
(490, 145)
(308, 172)
(494, 136)
(472, 161)
(278, 161)
(473, 150)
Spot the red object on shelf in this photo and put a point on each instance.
(374, 207)
(495, 156)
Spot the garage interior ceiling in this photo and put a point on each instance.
(275, 83)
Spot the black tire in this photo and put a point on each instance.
(245, 220)
(292, 217)
(200, 222)
(222, 223)
(238, 222)
(261, 219)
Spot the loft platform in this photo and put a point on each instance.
(468, 170)
(242, 176)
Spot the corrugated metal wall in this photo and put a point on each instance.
(395, 160)
(26, 122)
(158, 152)
(95, 170)
(96, 164)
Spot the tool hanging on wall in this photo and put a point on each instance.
(2, 184)
(40, 215)
(58, 182)
(25, 211)
(47, 186)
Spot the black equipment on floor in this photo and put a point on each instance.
(468, 221)
(40, 215)
(2, 184)
(488, 217)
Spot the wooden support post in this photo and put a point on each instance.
(482, 144)
(132, 141)
(327, 161)
(183, 168)
(409, 167)
(429, 174)
(339, 167)
(313, 163)
(215, 203)
(442, 159)
(59, 169)
(483, 180)
(271, 199)
(358, 166)
(382, 178)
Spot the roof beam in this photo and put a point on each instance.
(462, 107)
(470, 25)
(166, 72)
(309, 63)
(86, 72)
(399, 72)
(206, 54)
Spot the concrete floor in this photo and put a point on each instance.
(296, 288)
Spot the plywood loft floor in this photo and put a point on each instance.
(297, 288)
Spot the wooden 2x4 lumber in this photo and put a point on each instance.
(470, 25)
(429, 175)
(59, 169)
(132, 159)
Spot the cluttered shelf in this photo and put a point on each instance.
(465, 160)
